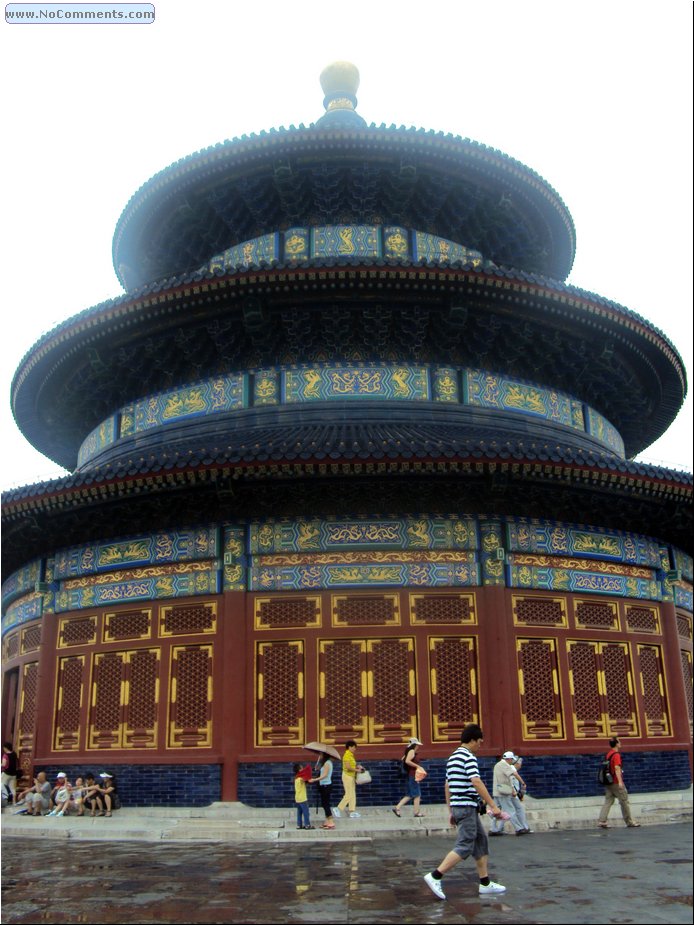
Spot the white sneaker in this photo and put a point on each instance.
(435, 886)
(355, 815)
(491, 888)
(52, 813)
(336, 813)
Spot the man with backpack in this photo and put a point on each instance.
(615, 790)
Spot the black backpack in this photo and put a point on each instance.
(604, 773)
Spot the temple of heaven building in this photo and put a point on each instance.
(349, 460)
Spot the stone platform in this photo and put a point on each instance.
(236, 822)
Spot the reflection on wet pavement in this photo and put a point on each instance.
(584, 876)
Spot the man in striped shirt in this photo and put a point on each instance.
(463, 787)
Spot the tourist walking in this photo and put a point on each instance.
(617, 789)
(507, 797)
(414, 770)
(350, 768)
(464, 792)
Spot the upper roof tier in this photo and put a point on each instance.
(341, 170)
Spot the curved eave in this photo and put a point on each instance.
(451, 155)
(37, 519)
(543, 462)
(160, 303)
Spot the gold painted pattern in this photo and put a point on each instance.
(337, 558)
(156, 571)
(581, 565)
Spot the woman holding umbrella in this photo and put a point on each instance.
(325, 778)
(325, 788)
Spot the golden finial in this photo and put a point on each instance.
(340, 82)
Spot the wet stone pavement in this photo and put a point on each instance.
(621, 875)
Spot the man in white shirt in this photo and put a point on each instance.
(506, 796)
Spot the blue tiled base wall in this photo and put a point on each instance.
(271, 784)
(154, 784)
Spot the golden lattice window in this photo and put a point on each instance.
(453, 664)
(11, 645)
(586, 690)
(541, 709)
(343, 684)
(280, 694)
(142, 708)
(192, 684)
(617, 670)
(653, 687)
(365, 609)
(127, 624)
(188, 619)
(280, 685)
(684, 626)
(68, 715)
(642, 619)
(688, 686)
(108, 675)
(27, 716)
(274, 612)
(539, 611)
(597, 614)
(77, 631)
(390, 663)
(442, 608)
(31, 638)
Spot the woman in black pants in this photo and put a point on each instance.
(325, 788)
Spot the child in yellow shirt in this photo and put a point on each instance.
(301, 775)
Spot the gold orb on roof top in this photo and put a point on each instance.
(340, 77)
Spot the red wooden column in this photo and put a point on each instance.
(235, 713)
(47, 695)
(679, 710)
(498, 671)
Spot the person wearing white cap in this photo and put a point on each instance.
(414, 770)
(61, 791)
(105, 793)
(507, 797)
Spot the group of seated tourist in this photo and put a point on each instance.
(65, 798)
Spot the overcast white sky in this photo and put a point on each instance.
(594, 96)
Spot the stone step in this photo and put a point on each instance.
(236, 822)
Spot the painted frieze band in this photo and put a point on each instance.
(154, 549)
(21, 582)
(170, 581)
(323, 382)
(331, 535)
(419, 574)
(423, 551)
(409, 383)
(221, 394)
(557, 579)
(557, 539)
(343, 242)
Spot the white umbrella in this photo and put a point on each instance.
(320, 747)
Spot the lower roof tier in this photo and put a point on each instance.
(526, 330)
(363, 469)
